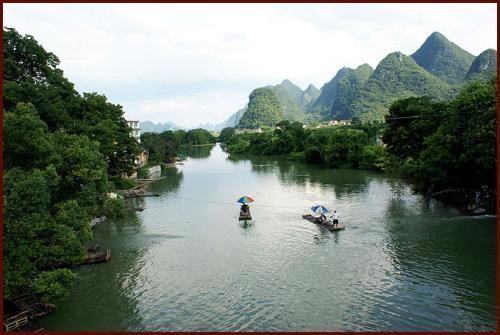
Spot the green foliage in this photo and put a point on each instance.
(31, 76)
(405, 137)
(372, 157)
(348, 88)
(198, 137)
(27, 142)
(114, 208)
(26, 193)
(457, 153)
(159, 147)
(309, 95)
(163, 146)
(396, 77)
(322, 105)
(227, 134)
(59, 148)
(50, 285)
(290, 96)
(239, 146)
(70, 214)
(484, 67)
(143, 172)
(338, 95)
(444, 59)
(263, 109)
(334, 146)
(119, 183)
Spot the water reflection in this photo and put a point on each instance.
(444, 256)
(104, 290)
(198, 151)
(344, 182)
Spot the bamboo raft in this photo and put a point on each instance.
(97, 257)
(29, 307)
(328, 226)
(21, 323)
(245, 216)
(33, 306)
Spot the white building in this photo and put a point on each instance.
(136, 131)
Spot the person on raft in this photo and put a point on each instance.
(244, 208)
(335, 218)
(323, 218)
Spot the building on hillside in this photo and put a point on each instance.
(136, 131)
(339, 123)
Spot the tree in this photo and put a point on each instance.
(50, 285)
(27, 143)
(227, 134)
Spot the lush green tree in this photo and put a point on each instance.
(82, 170)
(50, 285)
(456, 153)
(27, 142)
(59, 148)
(198, 137)
(227, 134)
(70, 214)
(410, 122)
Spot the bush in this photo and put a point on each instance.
(50, 285)
(143, 172)
(297, 156)
(125, 183)
(240, 147)
(114, 208)
(372, 157)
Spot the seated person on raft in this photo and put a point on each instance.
(244, 208)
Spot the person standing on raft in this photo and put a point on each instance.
(335, 218)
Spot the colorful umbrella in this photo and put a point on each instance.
(244, 200)
(318, 209)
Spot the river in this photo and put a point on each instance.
(187, 264)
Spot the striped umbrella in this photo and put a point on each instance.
(245, 200)
(320, 209)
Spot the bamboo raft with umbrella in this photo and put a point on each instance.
(322, 220)
(245, 209)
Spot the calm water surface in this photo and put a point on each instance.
(187, 263)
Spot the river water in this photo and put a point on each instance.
(187, 263)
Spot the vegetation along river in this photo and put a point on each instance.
(187, 263)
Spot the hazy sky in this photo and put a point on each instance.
(195, 64)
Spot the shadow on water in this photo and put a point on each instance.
(105, 301)
(324, 236)
(109, 294)
(197, 152)
(171, 181)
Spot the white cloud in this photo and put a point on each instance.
(183, 56)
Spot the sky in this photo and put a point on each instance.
(194, 64)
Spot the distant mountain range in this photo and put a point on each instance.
(438, 69)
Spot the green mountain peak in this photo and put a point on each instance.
(484, 66)
(263, 109)
(443, 58)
